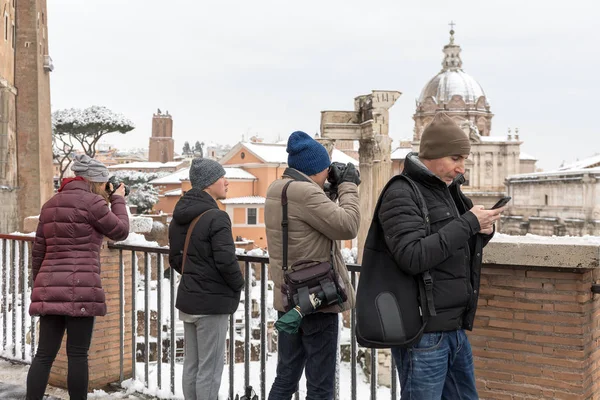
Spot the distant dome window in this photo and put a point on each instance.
(243, 155)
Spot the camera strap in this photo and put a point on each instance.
(189, 235)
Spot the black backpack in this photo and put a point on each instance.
(392, 308)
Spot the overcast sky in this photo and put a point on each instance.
(224, 69)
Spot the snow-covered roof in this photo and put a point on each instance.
(175, 177)
(269, 152)
(537, 239)
(184, 174)
(275, 153)
(146, 165)
(589, 162)
(238, 173)
(528, 157)
(570, 174)
(174, 192)
(400, 153)
(340, 156)
(245, 200)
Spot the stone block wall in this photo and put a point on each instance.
(548, 226)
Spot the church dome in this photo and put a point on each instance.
(449, 83)
(455, 92)
(452, 80)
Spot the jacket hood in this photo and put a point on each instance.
(193, 203)
(66, 181)
(414, 168)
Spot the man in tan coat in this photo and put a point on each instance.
(315, 225)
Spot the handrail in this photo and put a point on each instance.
(24, 238)
(162, 250)
(240, 257)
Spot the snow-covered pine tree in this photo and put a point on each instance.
(199, 149)
(187, 150)
(144, 196)
(87, 126)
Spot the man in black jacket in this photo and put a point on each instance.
(211, 280)
(440, 365)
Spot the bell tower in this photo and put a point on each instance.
(162, 145)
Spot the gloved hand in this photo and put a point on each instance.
(335, 173)
(333, 179)
(331, 191)
(350, 174)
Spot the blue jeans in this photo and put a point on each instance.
(440, 366)
(313, 348)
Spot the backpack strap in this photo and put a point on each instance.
(426, 283)
(189, 235)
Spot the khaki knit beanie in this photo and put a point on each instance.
(443, 138)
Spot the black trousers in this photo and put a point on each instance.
(79, 336)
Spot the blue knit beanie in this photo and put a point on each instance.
(306, 154)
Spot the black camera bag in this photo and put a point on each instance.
(392, 308)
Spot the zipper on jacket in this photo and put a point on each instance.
(467, 257)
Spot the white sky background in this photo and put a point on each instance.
(225, 69)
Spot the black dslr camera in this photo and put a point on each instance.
(115, 185)
(336, 170)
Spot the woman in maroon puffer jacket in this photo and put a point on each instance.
(67, 292)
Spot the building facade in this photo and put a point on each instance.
(250, 168)
(561, 202)
(26, 169)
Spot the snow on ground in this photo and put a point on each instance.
(537, 239)
(16, 374)
(362, 390)
(137, 239)
(140, 224)
(350, 255)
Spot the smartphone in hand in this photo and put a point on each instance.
(502, 202)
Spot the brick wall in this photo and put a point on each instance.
(104, 355)
(536, 330)
(34, 130)
(161, 149)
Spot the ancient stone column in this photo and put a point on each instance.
(369, 124)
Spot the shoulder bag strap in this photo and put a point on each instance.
(284, 225)
(427, 280)
(189, 235)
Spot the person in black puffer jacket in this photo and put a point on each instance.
(211, 280)
(440, 365)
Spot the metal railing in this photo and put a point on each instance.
(18, 338)
(153, 296)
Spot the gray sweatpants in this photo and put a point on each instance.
(204, 337)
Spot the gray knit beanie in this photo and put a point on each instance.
(90, 169)
(204, 172)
